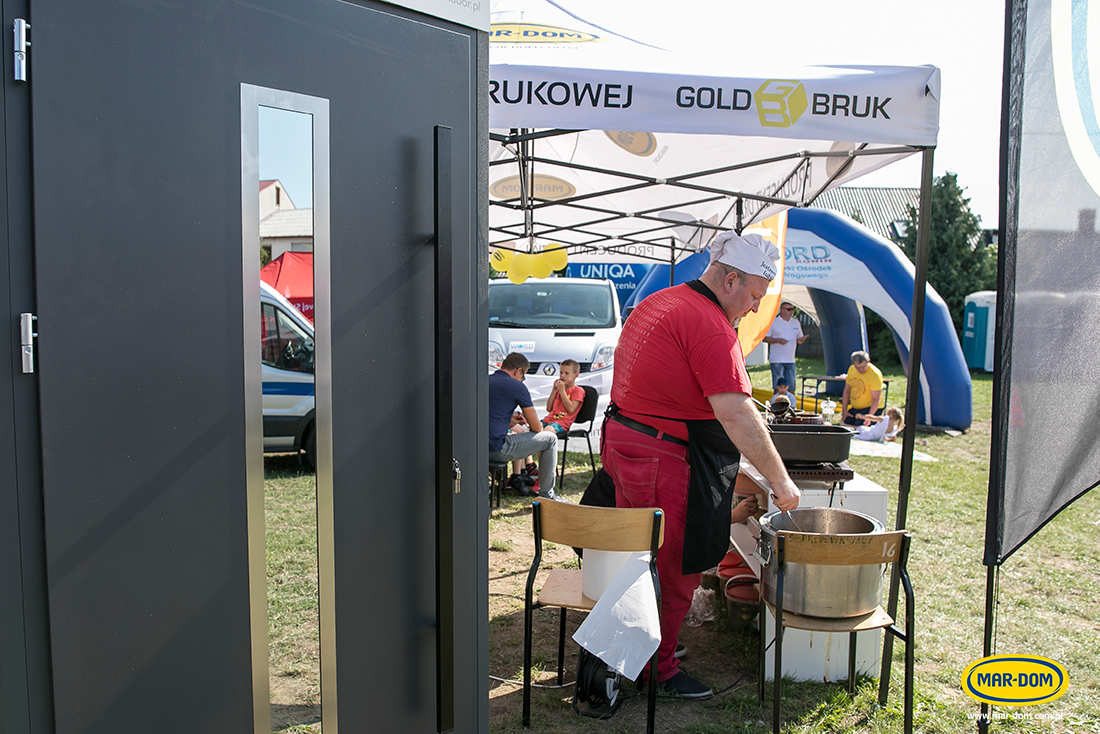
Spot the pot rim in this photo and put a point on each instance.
(766, 521)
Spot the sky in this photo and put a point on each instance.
(286, 153)
(964, 38)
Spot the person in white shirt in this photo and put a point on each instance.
(784, 335)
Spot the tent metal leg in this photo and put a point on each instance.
(916, 337)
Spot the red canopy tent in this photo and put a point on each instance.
(292, 275)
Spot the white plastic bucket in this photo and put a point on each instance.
(599, 568)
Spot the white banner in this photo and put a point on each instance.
(553, 67)
(872, 105)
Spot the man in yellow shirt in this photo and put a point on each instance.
(862, 390)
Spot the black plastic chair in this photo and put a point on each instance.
(587, 414)
(498, 477)
(596, 528)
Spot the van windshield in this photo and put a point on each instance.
(548, 305)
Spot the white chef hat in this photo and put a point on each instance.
(750, 254)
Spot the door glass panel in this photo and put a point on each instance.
(285, 252)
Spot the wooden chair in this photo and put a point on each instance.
(586, 414)
(842, 550)
(596, 528)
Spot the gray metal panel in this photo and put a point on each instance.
(383, 371)
(472, 437)
(25, 675)
(143, 395)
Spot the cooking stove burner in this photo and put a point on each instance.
(824, 472)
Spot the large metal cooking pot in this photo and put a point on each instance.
(820, 591)
(810, 444)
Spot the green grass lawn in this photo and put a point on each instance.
(1048, 605)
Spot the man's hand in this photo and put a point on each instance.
(744, 509)
(532, 419)
(785, 494)
(780, 341)
(516, 419)
(746, 429)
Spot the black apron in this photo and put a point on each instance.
(713, 461)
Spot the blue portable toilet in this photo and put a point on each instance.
(978, 329)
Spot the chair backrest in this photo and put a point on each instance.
(588, 408)
(599, 528)
(861, 549)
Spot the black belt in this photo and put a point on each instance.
(647, 430)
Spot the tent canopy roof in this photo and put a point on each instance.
(708, 143)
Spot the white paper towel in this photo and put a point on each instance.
(624, 628)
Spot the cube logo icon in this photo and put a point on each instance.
(780, 102)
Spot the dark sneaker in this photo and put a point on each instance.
(531, 470)
(681, 651)
(549, 494)
(684, 686)
(516, 484)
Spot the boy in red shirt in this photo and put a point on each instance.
(562, 406)
(565, 399)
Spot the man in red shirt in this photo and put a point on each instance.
(678, 359)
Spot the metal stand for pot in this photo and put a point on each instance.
(840, 550)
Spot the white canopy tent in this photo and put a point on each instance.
(613, 147)
(621, 150)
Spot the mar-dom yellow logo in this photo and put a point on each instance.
(537, 33)
(780, 102)
(1014, 680)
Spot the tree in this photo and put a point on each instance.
(959, 261)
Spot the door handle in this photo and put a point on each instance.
(448, 472)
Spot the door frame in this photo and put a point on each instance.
(252, 98)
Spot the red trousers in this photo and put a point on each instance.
(650, 472)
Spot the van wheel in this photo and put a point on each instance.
(310, 445)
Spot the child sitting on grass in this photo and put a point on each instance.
(880, 427)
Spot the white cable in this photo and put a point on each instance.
(533, 685)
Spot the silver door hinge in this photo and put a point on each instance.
(456, 474)
(26, 339)
(21, 46)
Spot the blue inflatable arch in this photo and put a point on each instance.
(859, 265)
(842, 262)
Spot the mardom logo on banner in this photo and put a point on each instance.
(542, 187)
(780, 102)
(537, 33)
(640, 144)
(1014, 680)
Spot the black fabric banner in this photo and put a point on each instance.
(1046, 441)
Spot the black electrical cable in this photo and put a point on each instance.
(592, 686)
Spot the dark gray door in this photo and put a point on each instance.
(137, 211)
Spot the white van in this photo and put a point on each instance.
(286, 344)
(553, 319)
